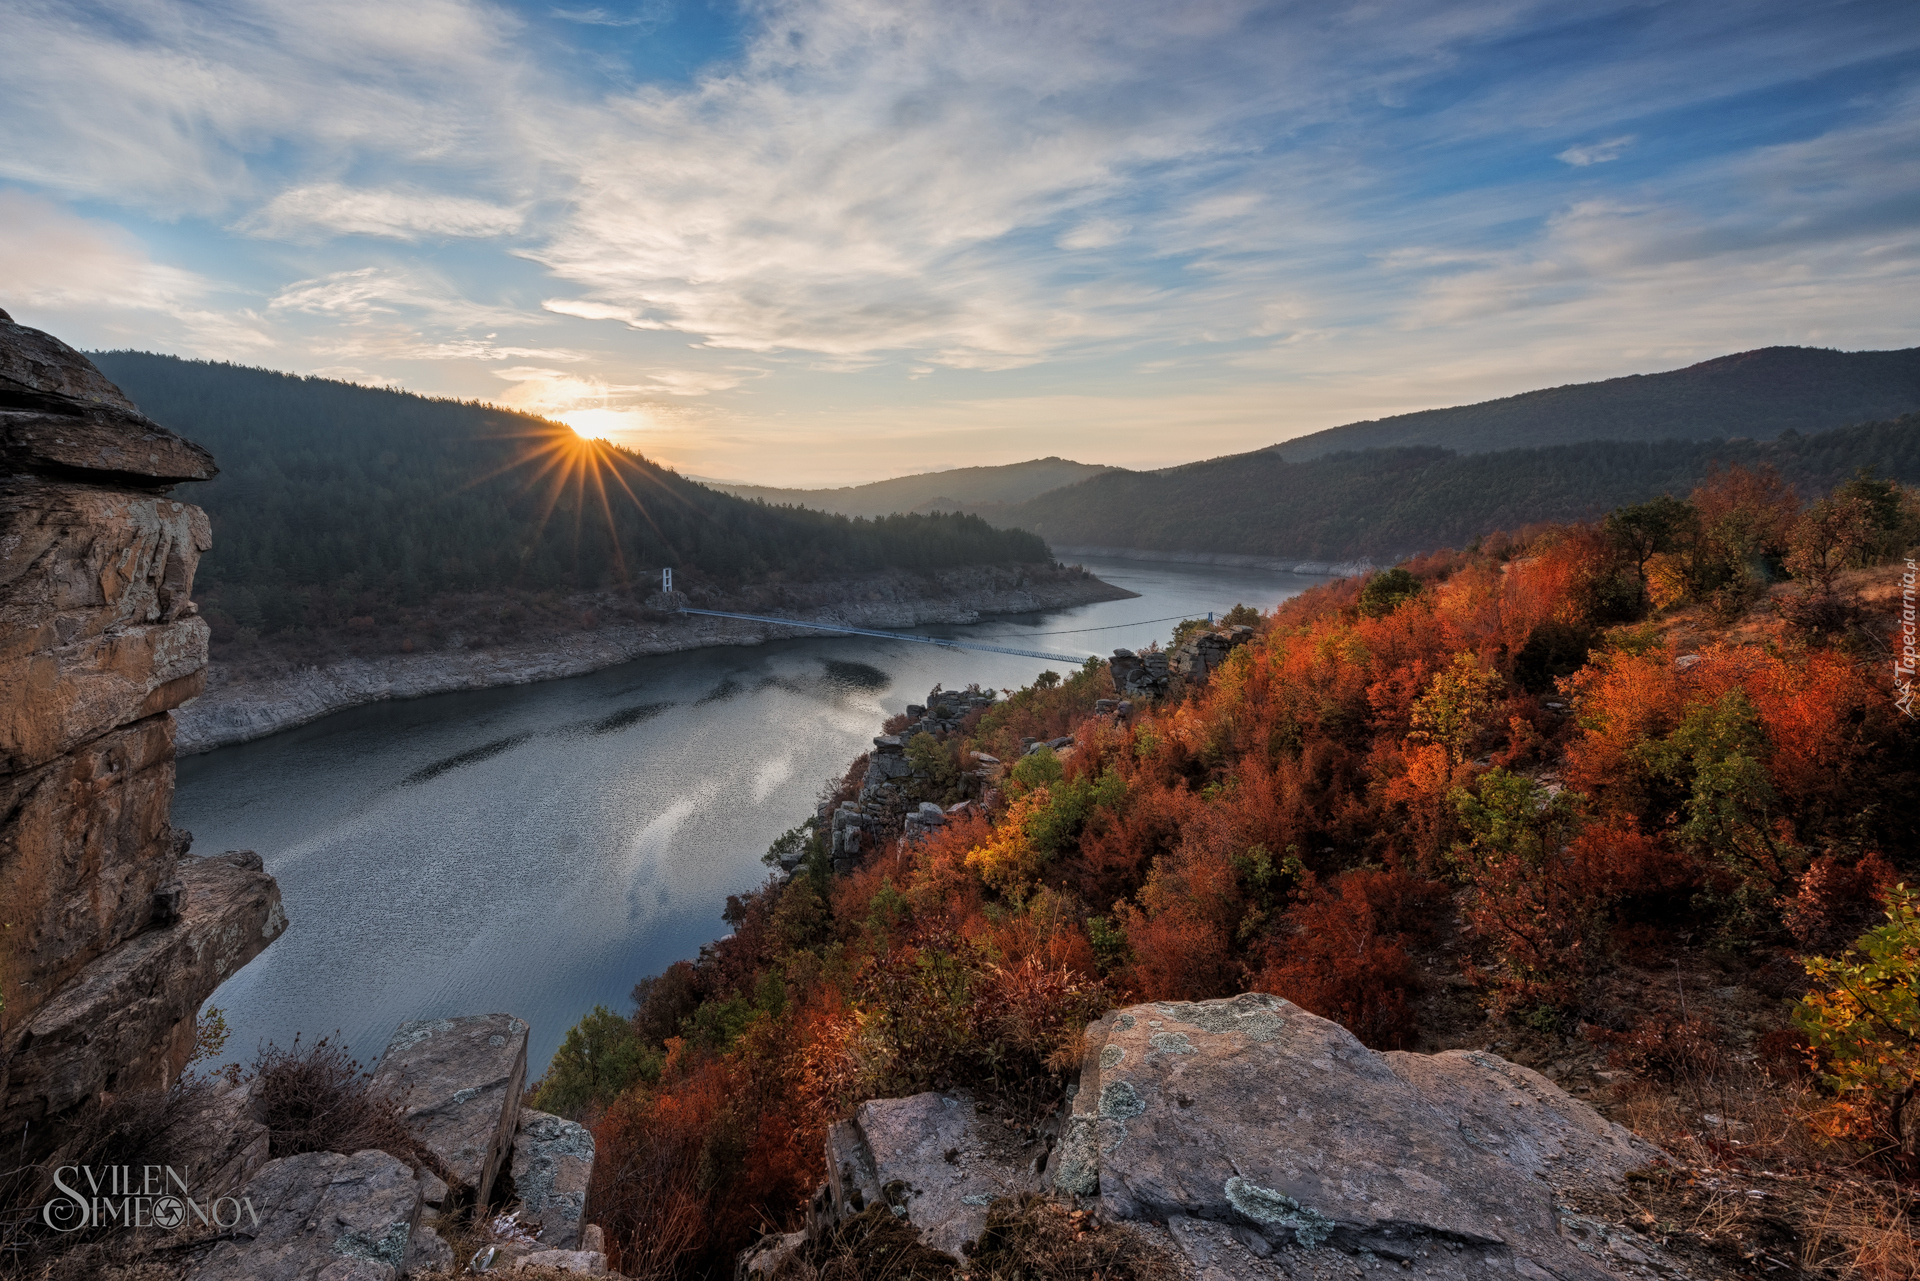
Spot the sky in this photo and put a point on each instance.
(813, 242)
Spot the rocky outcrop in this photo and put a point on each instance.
(552, 1167)
(113, 937)
(1254, 1114)
(459, 1081)
(268, 697)
(1272, 1146)
(1150, 674)
(321, 1216)
(893, 797)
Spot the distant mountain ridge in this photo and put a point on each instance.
(959, 488)
(1754, 394)
(1386, 504)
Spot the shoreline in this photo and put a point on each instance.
(1305, 568)
(239, 707)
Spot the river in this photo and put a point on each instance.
(537, 849)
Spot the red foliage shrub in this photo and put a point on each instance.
(1179, 954)
(1838, 899)
(1341, 954)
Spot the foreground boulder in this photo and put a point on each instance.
(459, 1081)
(1262, 1143)
(1279, 1126)
(321, 1217)
(932, 1158)
(552, 1167)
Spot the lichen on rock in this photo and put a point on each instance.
(1277, 1210)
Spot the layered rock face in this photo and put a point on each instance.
(113, 937)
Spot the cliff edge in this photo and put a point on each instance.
(113, 935)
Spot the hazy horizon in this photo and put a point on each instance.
(806, 243)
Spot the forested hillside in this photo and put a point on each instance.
(1599, 799)
(336, 501)
(1388, 503)
(960, 488)
(1757, 394)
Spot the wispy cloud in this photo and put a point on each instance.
(59, 269)
(367, 294)
(1597, 153)
(648, 15)
(323, 210)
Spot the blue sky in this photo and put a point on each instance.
(825, 241)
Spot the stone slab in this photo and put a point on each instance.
(460, 1082)
(57, 410)
(34, 360)
(1255, 1113)
(931, 1159)
(126, 1021)
(322, 1217)
(552, 1170)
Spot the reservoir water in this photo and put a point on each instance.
(537, 849)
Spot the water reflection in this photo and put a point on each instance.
(538, 849)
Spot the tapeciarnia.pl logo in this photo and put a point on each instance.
(1903, 665)
(112, 1196)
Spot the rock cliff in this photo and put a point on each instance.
(113, 936)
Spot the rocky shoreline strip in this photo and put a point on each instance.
(1288, 564)
(239, 706)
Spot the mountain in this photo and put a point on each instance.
(1756, 394)
(336, 501)
(961, 488)
(1389, 503)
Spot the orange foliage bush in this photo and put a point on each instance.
(1235, 836)
(1342, 954)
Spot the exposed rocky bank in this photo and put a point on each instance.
(252, 700)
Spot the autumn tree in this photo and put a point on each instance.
(1863, 1022)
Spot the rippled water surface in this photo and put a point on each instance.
(538, 849)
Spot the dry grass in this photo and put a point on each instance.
(318, 1100)
(1030, 1238)
(871, 1246)
(1027, 1238)
(1755, 1187)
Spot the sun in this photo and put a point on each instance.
(604, 424)
(569, 452)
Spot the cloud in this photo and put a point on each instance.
(331, 209)
(1596, 153)
(587, 309)
(648, 16)
(1095, 233)
(179, 108)
(367, 294)
(481, 349)
(95, 284)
